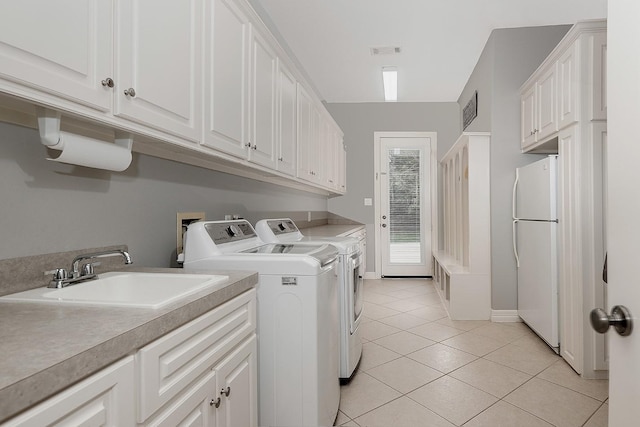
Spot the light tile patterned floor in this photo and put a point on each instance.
(419, 368)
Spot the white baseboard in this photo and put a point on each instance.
(369, 275)
(505, 316)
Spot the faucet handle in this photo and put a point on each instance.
(88, 268)
(59, 276)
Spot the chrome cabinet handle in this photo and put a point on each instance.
(215, 402)
(280, 159)
(620, 319)
(384, 225)
(130, 92)
(255, 146)
(108, 82)
(226, 392)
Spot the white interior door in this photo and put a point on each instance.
(404, 205)
(623, 227)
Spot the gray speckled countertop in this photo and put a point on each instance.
(331, 230)
(46, 347)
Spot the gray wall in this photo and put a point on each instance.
(359, 122)
(509, 58)
(50, 207)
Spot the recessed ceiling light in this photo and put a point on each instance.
(390, 83)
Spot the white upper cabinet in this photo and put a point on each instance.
(263, 102)
(567, 88)
(528, 115)
(62, 50)
(539, 108)
(547, 117)
(598, 104)
(158, 70)
(226, 81)
(286, 130)
(202, 81)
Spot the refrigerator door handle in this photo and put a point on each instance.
(513, 197)
(515, 243)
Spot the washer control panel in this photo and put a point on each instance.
(229, 231)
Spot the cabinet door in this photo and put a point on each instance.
(342, 166)
(599, 70)
(238, 387)
(105, 399)
(60, 48)
(304, 133)
(547, 116)
(195, 408)
(286, 129)
(263, 102)
(570, 247)
(568, 87)
(159, 64)
(528, 116)
(227, 77)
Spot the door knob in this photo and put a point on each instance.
(620, 319)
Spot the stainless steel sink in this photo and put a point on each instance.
(126, 289)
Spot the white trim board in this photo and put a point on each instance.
(504, 316)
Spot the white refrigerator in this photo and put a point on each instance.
(535, 230)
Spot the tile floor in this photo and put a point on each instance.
(419, 368)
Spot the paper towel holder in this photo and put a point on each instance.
(51, 136)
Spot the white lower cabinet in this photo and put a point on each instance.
(104, 399)
(184, 376)
(202, 374)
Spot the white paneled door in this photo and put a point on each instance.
(623, 228)
(403, 201)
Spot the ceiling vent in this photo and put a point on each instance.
(385, 50)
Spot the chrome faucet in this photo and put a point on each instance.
(62, 277)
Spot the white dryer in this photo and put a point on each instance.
(284, 230)
(297, 318)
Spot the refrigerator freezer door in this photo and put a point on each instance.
(538, 278)
(536, 190)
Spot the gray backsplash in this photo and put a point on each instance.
(21, 274)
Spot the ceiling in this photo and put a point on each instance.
(440, 40)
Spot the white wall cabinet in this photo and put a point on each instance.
(286, 139)
(263, 102)
(569, 86)
(227, 55)
(158, 71)
(105, 398)
(137, 66)
(539, 109)
(61, 51)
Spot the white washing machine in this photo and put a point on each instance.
(297, 318)
(350, 303)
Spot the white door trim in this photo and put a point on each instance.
(377, 136)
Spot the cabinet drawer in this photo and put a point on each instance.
(104, 399)
(168, 365)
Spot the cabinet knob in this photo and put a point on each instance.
(248, 144)
(215, 402)
(108, 82)
(226, 392)
(130, 92)
(280, 159)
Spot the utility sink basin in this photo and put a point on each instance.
(126, 289)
